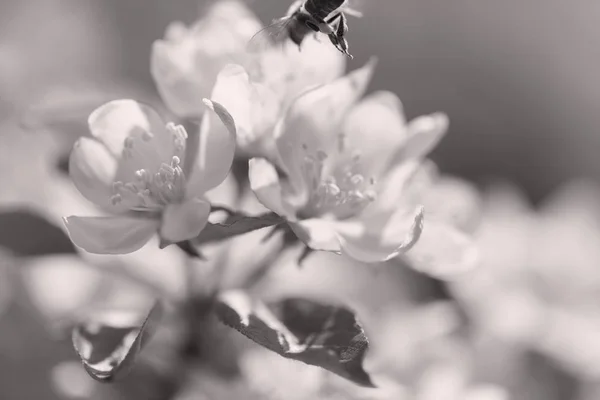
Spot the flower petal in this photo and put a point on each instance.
(376, 126)
(314, 120)
(289, 70)
(382, 236)
(424, 133)
(92, 169)
(216, 150)
(264, 182)
(314, 64)
(443, 251)
(184, 221)
(318, 234)
(185, 65)
(182, 84)
(454, 201)
(402, 185)
(253, 107)
(116, 120)
(110, 235)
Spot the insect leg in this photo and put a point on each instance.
(338, 37)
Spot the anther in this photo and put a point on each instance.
(115, 199)
(357, 179)
(141, 175)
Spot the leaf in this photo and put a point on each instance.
(28, 234)
(236, 224)
(326, 336)
(109, 342)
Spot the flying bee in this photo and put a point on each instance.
(306, 17)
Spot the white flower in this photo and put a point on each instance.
(539, 283)
(445, 248)
(347, 164)
(150, 176)
(193, 63)
(186, 62)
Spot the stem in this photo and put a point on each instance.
(191, 348)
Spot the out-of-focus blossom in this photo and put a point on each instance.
(539, 283)
(258, 93)
(445, 248)
(186, 62)
(348, 163)
(191, 63)
(149, 176)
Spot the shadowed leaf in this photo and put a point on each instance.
(109, 341)
(236, 224)
(326, 336)
(28, 234)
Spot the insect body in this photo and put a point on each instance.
(313, 16)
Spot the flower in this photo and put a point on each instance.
(539, 284)
(347, 164)
(445, 248)
(185, 64)
(218, 57)
(150, 176)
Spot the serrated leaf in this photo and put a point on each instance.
(236, 224)
(326, 336)
(28, 234)
(109, 341)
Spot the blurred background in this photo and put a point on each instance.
(517, 78)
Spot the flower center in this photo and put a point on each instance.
(343, 190)
(154, 190)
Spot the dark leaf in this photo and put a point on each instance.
(234, 225)
(28, 234)
(109, 342)
(323, 335)
(188, 248)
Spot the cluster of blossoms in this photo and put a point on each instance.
(341, 169)
(186, 229)
(333, 168)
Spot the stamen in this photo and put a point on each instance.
(357, 180)
(345, 192)
(153, 189)
(116, 199)
(131, 187)
(179, 135)
(141, 175)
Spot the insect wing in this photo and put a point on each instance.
(273, 35)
